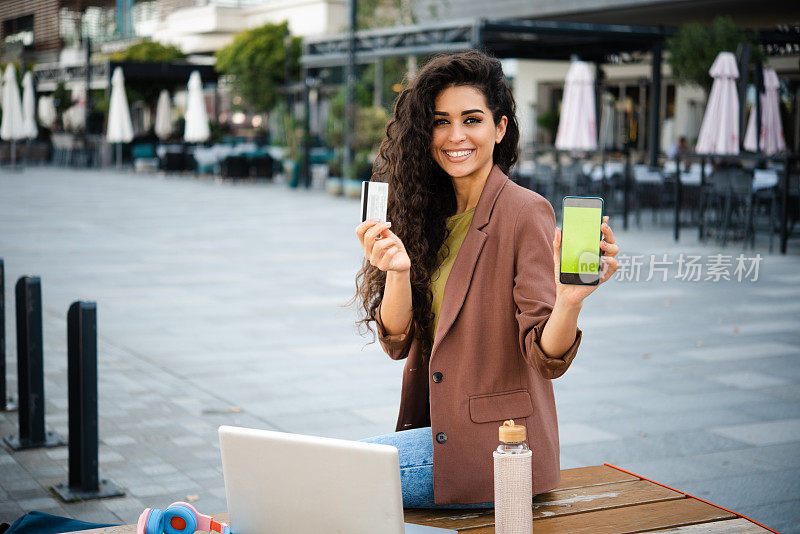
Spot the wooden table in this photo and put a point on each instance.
(602, 499)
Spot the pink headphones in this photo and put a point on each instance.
(178, 518)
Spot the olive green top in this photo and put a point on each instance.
(458, 226)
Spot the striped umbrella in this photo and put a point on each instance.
(577, 127)
(771, 137)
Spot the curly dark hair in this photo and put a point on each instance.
(421, 194)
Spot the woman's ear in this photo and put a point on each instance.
(500, 129)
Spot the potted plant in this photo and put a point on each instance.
(334, 184)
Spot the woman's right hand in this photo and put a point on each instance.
(386, 253)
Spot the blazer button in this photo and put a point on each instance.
(438, 377)
(441, 437)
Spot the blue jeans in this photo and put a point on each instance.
(416, 468)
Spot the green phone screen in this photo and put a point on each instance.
(580, 245)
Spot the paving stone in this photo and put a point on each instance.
(749, 380)
(769, 433)
(115, 441)
(575, 433)
(740, 351)
(158, 469)
(10, 511)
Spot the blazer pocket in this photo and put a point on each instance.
(500, 406)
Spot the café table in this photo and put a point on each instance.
(602, 499)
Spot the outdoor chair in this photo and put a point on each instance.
(728, 203)
(522, 173)
(767, 201)
(173, 162)
(543, 181)
(739, 202)
(38, 152)
(263, 166)
(144, 157)
(572, 181)
(63, 148)
(648, 191)
(235, 167)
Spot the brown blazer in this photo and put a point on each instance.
(497, 300)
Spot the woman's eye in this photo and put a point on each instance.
(439, 122)
(472, 120)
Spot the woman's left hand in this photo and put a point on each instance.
(574, 294)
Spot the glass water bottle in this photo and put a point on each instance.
(513, 486)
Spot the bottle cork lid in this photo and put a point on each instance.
(511, 433)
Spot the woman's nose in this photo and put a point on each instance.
(457, 133)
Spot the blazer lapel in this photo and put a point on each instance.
(458, 282)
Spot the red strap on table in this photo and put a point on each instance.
(216, 526)
(692, 496)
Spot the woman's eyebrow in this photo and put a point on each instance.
(467, 112)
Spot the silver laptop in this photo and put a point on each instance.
(279, 483)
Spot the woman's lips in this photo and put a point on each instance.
(457, 156)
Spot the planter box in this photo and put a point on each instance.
(334, 185)
(352, 188)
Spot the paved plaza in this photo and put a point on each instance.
(226, 303)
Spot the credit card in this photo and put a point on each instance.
(374, 199)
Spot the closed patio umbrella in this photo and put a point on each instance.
(29, 107)
(197, 129)
(119, 129)
(75, 117)
(12, 127)
(163, 125)
(719, 133)
(46, 111)
(771, 136)
(577, 127)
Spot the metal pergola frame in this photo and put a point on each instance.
(504, 38)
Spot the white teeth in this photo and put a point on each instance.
(458, 153)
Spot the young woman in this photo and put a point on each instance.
(465, 285)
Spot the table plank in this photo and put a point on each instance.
(554, 503)
(629, 519)
(732, 526)
(580, 477)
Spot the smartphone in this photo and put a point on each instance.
(581, 218)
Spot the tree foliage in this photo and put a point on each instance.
(370, 131)
(695, 47)
(257, 60)
(148, 52)
(384, 13)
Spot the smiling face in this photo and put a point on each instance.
(464, 132)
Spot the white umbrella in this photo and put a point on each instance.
(12, 127)
(719, 133)
(29, 107)
(119, 129)
(771, 137)
(196, 130)
(577, 127)
(74, 117)
(46, 111)
(163, 116)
